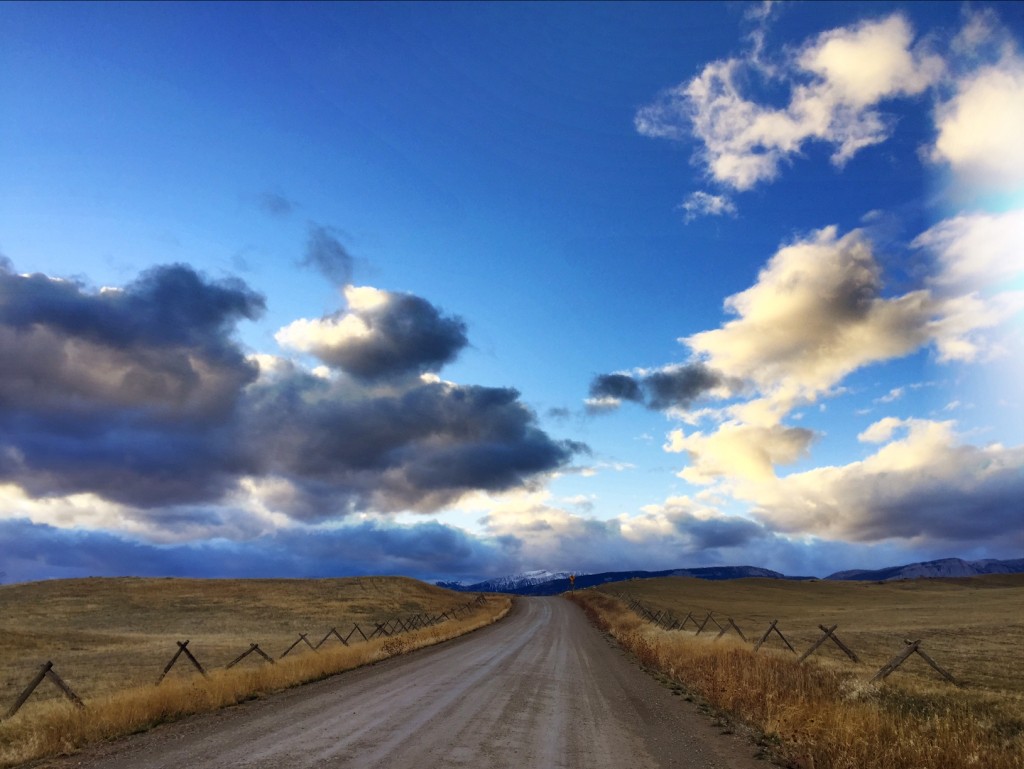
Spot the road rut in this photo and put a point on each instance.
(542, 689)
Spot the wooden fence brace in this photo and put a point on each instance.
(182, 649)
(45, 671)
(252, 648)
(332, 631)
(300, 639)
(355, 628)
(826, 633)
(726, 627)
(899, 659)
(688, 618)
(707, 619)
(774, 627)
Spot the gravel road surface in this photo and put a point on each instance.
(542, 689)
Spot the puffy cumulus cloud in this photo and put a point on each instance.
(836, 82)
(162, 345)
(817, 313)
(738, 450)
(139, 402)
(923, 486)
(672, 387)
(341, 448)
(130, 394)
(384, 334)
(979, 127)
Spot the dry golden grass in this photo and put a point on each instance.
(974, 628)
(823, 713)
(110, 638)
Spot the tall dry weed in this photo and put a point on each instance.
(822, 717)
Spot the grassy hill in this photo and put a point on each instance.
(104, 634)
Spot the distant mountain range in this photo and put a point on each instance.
(544, 582)
(945, 567)
(529, 583)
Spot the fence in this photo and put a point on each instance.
(385, 629)
(668, 621)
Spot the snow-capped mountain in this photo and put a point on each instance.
(514, 582)
(543, 582)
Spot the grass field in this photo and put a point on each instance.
(974, 628)
(824, 713)
(109, 639)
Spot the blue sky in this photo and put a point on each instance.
(459, 290)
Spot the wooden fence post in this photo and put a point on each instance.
(45, 671)
(182, 649)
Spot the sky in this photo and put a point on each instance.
(463, 290)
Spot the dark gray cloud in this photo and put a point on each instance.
(713, 533)
(676, 386)
(420, 448)
(276, 204)
(620, 386)
(679, 386)
(405, 334)
(427, 550)
(326, 254)
(143, 396)
(130, 394)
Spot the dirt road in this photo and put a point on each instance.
(542, 689)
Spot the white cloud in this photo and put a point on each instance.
(814, 315)
(979, 128)
(242, 517)
(836, 81)
(737, 450)
(976, 250)
(924, 486)
(706, 204)
(316, 335)
(679, 532)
